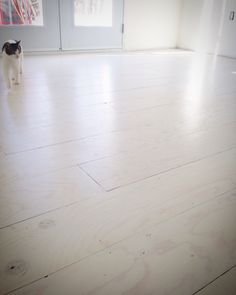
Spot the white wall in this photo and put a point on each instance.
(151, 23)
(189, 24)
(205, 25)
(228, 38)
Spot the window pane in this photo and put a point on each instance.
(21, 12)
(93, 13)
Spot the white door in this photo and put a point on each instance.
(91, 24)
(35, 22)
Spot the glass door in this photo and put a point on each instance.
(91, 24)
(35, 22)
(44, 25)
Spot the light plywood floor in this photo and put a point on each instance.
(118, 175)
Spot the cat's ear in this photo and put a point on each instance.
(18, 42)
(5, 46)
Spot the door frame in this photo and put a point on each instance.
(38, 34)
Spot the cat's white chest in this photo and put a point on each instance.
(12, 68)
(11, 60)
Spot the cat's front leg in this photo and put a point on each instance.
(16, 71)
(8, 82)
(21, 64)
(17, 82)
(6, 75)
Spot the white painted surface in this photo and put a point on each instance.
(189, 24)
(207, 27)
(148, 24)
(225, 284)
(228, 40)
(151, 23)
(159, 130)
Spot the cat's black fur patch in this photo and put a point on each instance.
(11, 48)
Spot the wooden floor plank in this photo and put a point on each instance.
(75, 232)
(155, 262)
(118, 174)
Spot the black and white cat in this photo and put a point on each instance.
(12, 61)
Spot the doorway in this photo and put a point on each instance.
(62, 24)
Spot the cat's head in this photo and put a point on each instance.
(12, 48)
